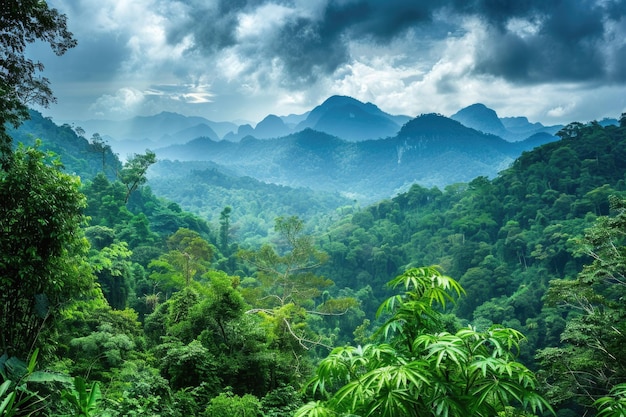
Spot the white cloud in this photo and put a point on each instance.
(156, 64)
(124, 102)
(262, 22)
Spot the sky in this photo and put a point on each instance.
(553, 61)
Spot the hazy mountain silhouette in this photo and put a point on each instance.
(139, 132)
(352, 120)
(431, 150)
(482, 118)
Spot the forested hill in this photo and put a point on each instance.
(505, 239)
(205, 189)
(431, 150)
(79, 156)
(172, 315)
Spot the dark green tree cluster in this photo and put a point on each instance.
(505, 238)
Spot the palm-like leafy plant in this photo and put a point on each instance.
(83, 401)
(17, 398)
(418, 370)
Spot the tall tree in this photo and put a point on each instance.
(100, 146)
(189, 257)
(591, 359)
(289, 285)
(133, 174)
(23, 22)
(42, 248)
(225, 230)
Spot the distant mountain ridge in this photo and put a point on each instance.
(341, 116)
(431, 150)
(482, 118)
(162, 129)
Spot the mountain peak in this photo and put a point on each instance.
(271, 127)
(482, 118)
(350, 119)
(430, 123)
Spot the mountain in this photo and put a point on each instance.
(190, 133)
(271, 127)
(431, 150)
(165, 128)
(75, 152)
(352, 120)
(482, 118)
(344, 117)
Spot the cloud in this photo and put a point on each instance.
(124, 102)
(231, 59)
(529, 42)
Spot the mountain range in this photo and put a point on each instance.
(340, 116)
(341, 146)
(431, 150)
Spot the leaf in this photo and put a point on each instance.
(45, 376)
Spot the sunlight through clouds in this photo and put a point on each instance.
(249, 58)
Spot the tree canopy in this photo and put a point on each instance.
(23, 22)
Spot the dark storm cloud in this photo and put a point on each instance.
(308, 46)
(567, 44)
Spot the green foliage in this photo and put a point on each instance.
(288, 287)
(137, 390)
(189, 365)
(417, 369)
(230, 405)
(590, 364)
(23, 23)
(613, 405)
(188, 258)
(83, 401)
(42, 248)
(99, 353)
(18, 393)
(114, 273)
(133, 173)
(281, 402)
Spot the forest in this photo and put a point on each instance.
(124, 304)
(496, 297)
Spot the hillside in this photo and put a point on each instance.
(431, 150)
(77, 154)
(506, 238)
(205, 189)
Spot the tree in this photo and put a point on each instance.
(420, 369)
(42, 248)
(225, 230)
(287, 278)
(590, 362)
(289, 286)
(114, 273)
(99, 145)
(133, 173)
(23, 22)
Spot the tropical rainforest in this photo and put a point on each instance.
(495, 297)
